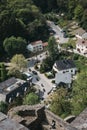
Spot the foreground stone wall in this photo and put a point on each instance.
(38, 118)
(59, 123)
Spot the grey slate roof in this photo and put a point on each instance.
(65, 64)
(7, 83)
(8, 124)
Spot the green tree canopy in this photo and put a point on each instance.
(31, 99)
(3, 72)
(19, 61)
(53, 48)
(84, 20)
(13, 45)
(78, 12)
(3, 107)
(79, 100)
(58, 104)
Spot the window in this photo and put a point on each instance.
(25, 89)
(9, 100)
(71, 70)
(17, 95)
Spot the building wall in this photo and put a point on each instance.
(81, 48)
(72, 70)
(59, 123)
(2, 97)
(36, 47)
(17, 92)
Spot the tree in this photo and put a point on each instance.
(59, 101)
(3, 72)
(79, 100)
(13, 45)
(31, 99)
(19, 62)
(71, 6)
(78, 12)
(45, 66)
(53, 48)
(3, 107)
(84, 20)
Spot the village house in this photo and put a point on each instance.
(63, 66)
(12, 88)
(81, 46)
(64, 71)
(35, 46)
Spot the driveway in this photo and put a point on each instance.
(58, 32)
(45, 84)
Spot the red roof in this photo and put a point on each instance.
(36, 42)
(82, 42)
(45, 44)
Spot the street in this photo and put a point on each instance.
(45, 85)
(58, 32)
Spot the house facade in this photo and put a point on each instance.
(12, 88)
(81, 46)
(35, 46)
(65, 66)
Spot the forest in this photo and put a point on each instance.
(26, 19)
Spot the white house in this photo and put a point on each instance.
(35, 46)
(81, 46)
(63, 66)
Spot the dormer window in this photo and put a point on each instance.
(83, 42)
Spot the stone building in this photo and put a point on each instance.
(8, 124)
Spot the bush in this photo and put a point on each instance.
(36, 67)
(31, 99)
(53, 81)
(3, 107)
(49, 76)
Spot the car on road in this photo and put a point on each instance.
(34, 72)
(28, 75)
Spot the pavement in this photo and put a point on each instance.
(44, 84)
(58, 32)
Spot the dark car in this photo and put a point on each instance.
(34, 72)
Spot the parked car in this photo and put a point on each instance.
(34, 72)
(28, 75)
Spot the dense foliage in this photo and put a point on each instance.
(76, 98)
(53, 55)
(13, 45)
(71, 8)
(3, 72)
(31, 99)
(3, 107)
(21, 18)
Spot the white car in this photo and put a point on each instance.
(29, 76)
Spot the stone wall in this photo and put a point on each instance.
(38, 118)
(59, 123)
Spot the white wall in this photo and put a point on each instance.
(2, 97)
